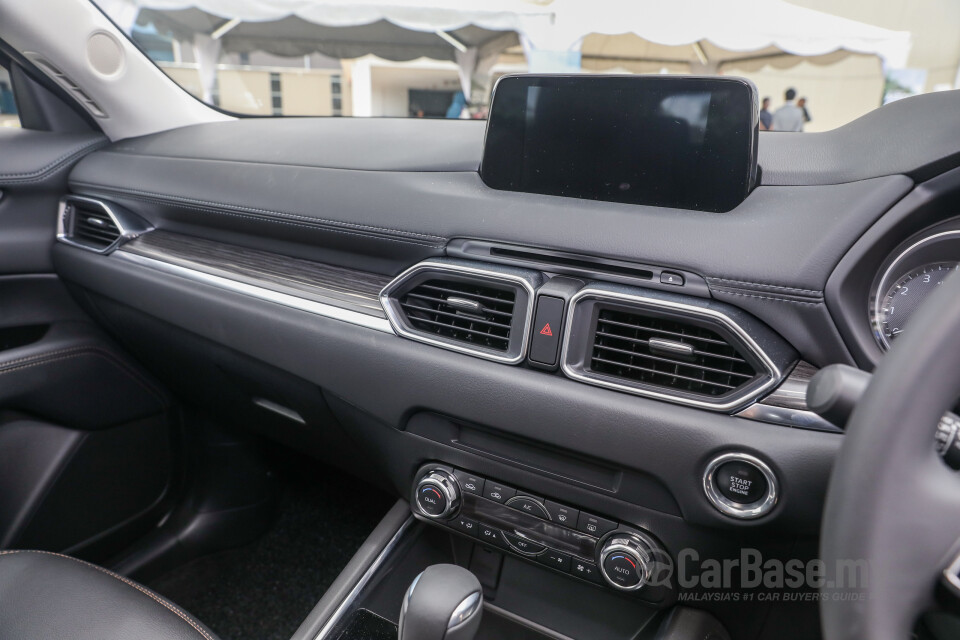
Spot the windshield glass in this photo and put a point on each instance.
(817, 64)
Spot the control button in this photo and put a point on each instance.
(740, 485)
(586, 570)
(469, 482)
(497, 492)
(740, 482)
(669, 277)
(622, 569)
(523, 545)
(556, 559)
(594, 525)
(528, 505)
(466, 525)
(437, 495)
(562, 514)
(626, 561)
(492, 536)
(546, 330)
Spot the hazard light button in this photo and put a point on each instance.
(548, 321)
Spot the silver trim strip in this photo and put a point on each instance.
(330, 624)
(725, 505)
(280, 410)
(772, 370)
(951, 576)
(784, 416)
(787, 405)
(268, 295)
(129, 226)
(492, 274)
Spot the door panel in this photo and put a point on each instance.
(86, 447)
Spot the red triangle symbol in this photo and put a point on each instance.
(546, 330)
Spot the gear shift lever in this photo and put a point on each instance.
(443, 603)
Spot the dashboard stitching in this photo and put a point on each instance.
(765, 297)
(814, 292)
(316, 227)
(50, 168)
(216, 206)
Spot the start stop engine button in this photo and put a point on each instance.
(741, 482)
(740, 485)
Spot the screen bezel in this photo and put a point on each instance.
(681, 84)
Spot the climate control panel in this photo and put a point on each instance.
(567, 539)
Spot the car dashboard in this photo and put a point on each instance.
(587, 377)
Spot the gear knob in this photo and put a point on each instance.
(444, 602)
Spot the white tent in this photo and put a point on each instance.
(703, 33)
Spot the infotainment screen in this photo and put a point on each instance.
(671, 141)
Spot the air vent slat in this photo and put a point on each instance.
(486, 322)
(665, 374)
(675, 362)
(696, 352)
(455, 329)
(459, 316)
(457, 291)
(621, 349)
(441, 300)
(665, 332)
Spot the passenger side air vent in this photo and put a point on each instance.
(667, 353)
(95, 225)
(699, 352)
(476, 314)
(464, 307)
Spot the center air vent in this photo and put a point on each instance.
(667, 353)
(696, 353)
(463, 307)
(476, 314)
(95, 225)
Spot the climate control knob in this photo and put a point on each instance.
(437, 495)
(626, 561)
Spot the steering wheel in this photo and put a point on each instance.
(893, 506)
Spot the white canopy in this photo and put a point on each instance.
(703, 34)
(732, 25)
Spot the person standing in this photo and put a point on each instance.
(789, 117)
(766, 118)
(802, 103)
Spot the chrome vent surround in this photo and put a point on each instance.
(459, 305)
(659, 346)
(96, 225)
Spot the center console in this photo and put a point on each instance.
(568, 540)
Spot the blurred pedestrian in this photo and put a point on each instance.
(802, 103)
(457, 106)
(766, 118)
(789, 117)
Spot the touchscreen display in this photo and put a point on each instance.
(683, 142)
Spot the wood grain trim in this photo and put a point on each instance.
(328, 284)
